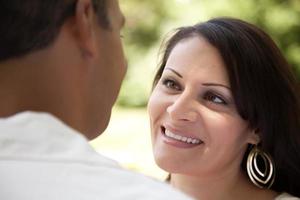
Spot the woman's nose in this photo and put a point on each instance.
(182, 109)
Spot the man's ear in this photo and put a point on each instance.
(254, 137)
(84, 19)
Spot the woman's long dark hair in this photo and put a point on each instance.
(264, 88)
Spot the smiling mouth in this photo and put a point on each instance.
(184, 139)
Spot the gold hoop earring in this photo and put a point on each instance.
(262, 178)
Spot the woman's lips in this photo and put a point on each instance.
(179, 140)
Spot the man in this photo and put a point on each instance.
(61, 66)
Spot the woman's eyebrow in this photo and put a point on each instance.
(205, 84)
(174, 71)
(216, 84)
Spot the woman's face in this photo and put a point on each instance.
(195, 127)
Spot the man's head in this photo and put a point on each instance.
(32, 25)
(68, 57)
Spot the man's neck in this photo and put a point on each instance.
(14, 86)
(35, 83)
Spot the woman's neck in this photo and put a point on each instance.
(230, 186)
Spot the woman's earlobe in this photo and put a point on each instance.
(254, 137)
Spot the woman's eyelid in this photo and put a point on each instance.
(221, 100)
(171, 78)
(175, 85)
(220, 94)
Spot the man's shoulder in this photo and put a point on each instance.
(80, 180)
(42, 156)
(118, 183)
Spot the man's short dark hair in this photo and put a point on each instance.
(29, 25)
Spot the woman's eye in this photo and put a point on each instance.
(171, 84)
(214, 98)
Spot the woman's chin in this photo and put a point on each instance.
(168, 165)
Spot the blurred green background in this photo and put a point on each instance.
(127, 138)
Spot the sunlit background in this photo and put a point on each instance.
(127, 139)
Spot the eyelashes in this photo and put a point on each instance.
(209, 95)
(171, 84)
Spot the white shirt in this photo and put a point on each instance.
(43, 159)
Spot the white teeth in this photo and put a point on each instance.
(182, 138)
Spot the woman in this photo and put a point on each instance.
(225, 114)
